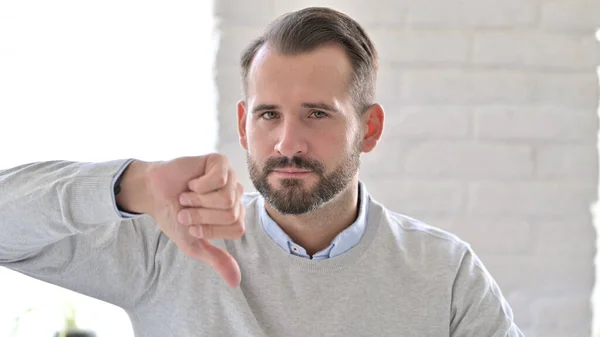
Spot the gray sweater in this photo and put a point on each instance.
(59, 223)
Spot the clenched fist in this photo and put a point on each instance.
(193, 199)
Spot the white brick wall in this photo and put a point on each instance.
(490, 133)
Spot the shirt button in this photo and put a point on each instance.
(295, 249)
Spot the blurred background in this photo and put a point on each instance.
(491, 125)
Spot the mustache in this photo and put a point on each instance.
(296, 161)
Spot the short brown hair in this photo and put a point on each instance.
(307, 29)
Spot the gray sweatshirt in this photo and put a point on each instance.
(59, 223)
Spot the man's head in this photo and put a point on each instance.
(309, 112)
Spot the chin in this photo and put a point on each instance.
(288, 182)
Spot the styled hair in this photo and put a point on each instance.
(310, 28)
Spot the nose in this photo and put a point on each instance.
(291, 140)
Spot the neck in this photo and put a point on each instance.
(315, 230)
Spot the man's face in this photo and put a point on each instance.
(302, 135)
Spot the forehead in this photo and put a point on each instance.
(321, 74)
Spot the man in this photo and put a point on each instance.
(310, 254)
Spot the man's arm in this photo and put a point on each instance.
(478, 306)
(59, 223)
(62, 223)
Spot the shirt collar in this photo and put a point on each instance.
(345, 240)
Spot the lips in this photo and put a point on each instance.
(291, 170)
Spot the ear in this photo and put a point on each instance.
(372, 126)
(241, 116)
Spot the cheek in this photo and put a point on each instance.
(348, 137)
(332, 144)
(258, 140)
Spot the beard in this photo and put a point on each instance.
(295, 198)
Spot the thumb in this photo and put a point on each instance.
(221, 261)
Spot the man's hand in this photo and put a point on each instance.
(193, 199)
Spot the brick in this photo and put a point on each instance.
(230, 92)
(415, 197)
(497, 86)
(428, 122)
(531, 198)
(472, 13)
(422, 47)
(389, 80)
(229, 83)
(568, 161)
(385, 12)
(564, 237)
(228, 130)
(528, 303)
(232, 12)
(468, 160)
(233, 40)
(562, 316)
(495, 236)
(567, 90)
(571, 15)
(559, 51)
(454, 86)
(520, 302)
(387, 159)
(539, 122)
(550, 275)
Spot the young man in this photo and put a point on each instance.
(311, 254)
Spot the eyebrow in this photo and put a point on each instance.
(321, 106)
(264, 107)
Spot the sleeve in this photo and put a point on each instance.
(114, 182)
(478, 306)
(59, 223)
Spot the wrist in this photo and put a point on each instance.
(131, 192)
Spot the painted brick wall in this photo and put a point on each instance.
(491, 132)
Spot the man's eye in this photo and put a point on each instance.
(319, 114)
(269, 115)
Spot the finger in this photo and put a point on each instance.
(221, 261)
(231, 232)
(215, 175)
(210, 232)
(224, 198)
(204, 216)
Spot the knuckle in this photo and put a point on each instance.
(230, 216)
(220, 179)
(238, 230)
(195, 185)
(218, 159)
(223, 159)
(227, 200)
